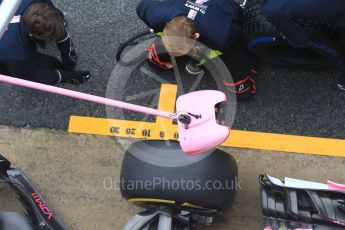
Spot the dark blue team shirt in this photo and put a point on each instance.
(16, 44)
(328, 10)
(213, 19)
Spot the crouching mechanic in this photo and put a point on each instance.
(35, 23)
(282, 12)
(214, 23)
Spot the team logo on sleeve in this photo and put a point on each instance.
(197, 6)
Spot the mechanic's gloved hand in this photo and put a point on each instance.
(68, 55)
(341, 82)
(244, 88)
(193, 67)
(74, 77)
(158, 58)
(295, 34)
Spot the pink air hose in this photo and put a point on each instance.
(84, 96)
(269, 228)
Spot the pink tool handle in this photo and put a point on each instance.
(84, 96)
(335, 186)
(269, 228)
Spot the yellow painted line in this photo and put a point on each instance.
(122, 128)
(286, 143)
(167, 100)
(238, 139)
(151, 200)
(163, 129)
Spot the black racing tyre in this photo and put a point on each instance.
(324, 50)
(134, 40)
(208, 184)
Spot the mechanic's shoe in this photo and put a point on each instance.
(73, 77)
(341, 82)
(80, 80)
(194, 70)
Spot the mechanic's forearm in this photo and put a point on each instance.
(68, 54)
(24, 70)
(45, 76)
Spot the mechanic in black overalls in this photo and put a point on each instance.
(214, 23)
(37, 22)
(281, 14)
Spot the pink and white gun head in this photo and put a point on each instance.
(203, 133)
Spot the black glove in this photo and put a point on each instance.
(341, 81)
(193, 67)
(295, 34)
(68, 55)
(158, 58)
(73, 77)
(244, 88)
